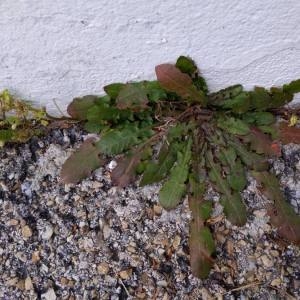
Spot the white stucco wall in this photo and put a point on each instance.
(58, 49)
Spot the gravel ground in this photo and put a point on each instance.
(95, 241)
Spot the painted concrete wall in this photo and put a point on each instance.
(55, 49)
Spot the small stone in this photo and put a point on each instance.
(103, 268)
(13, 222)
(125, 274)
(176, 242)
(28, 284)
(64, 281)
(141, 295)
(131, 249)
(106, 232)
(47, 233)
(274, 253)
(157, 210)
(267, 261)
(162, 283)
(35, 257)
(26, 231)
(260, 213)
(49, 295)
(276, 282)
(166, 297)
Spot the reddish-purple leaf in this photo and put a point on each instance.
(79, 107)
(82, 162)
(173, 80)
(282, 215)
(200, 241)
(289, 134)
(124, 173)
(262, 143)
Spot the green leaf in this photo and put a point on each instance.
(234, 208)
(282, 215)
(219, 97)
(169, 197)
(82, 162)
(260, 98)
(186, 65)
(117, 141)
(233, 125)
(104, 112)
(238, 104)
(293, 87)
(79, 107)
(154, 91)
(200, 83)
(252, 160)
(155, 172)
(132, 97)
(237, 177)
(279, 97)
(259, 118)
(94, 127)
(173, 80)
(113, 89)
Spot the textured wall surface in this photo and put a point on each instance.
(53, 49)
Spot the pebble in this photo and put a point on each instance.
(157, 209)
(103, 268)
(28, 284)
(267, 261)
(26, 231)
(162, 283)
(125, 274)
(276, 282)
(13, 222)
(49, 295)
(47, 232)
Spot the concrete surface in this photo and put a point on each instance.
(55, 50)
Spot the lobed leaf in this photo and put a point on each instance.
(154, 91)
(250, 159)
(233, 125)
(234, 208)
(219, 97)
(169, 197)
(293, 87)
(186, 65)
(132, 97)
(238, 104)
(117, 141)
(155, 172)
(113, 90)
(260, 99)
(259, 118)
